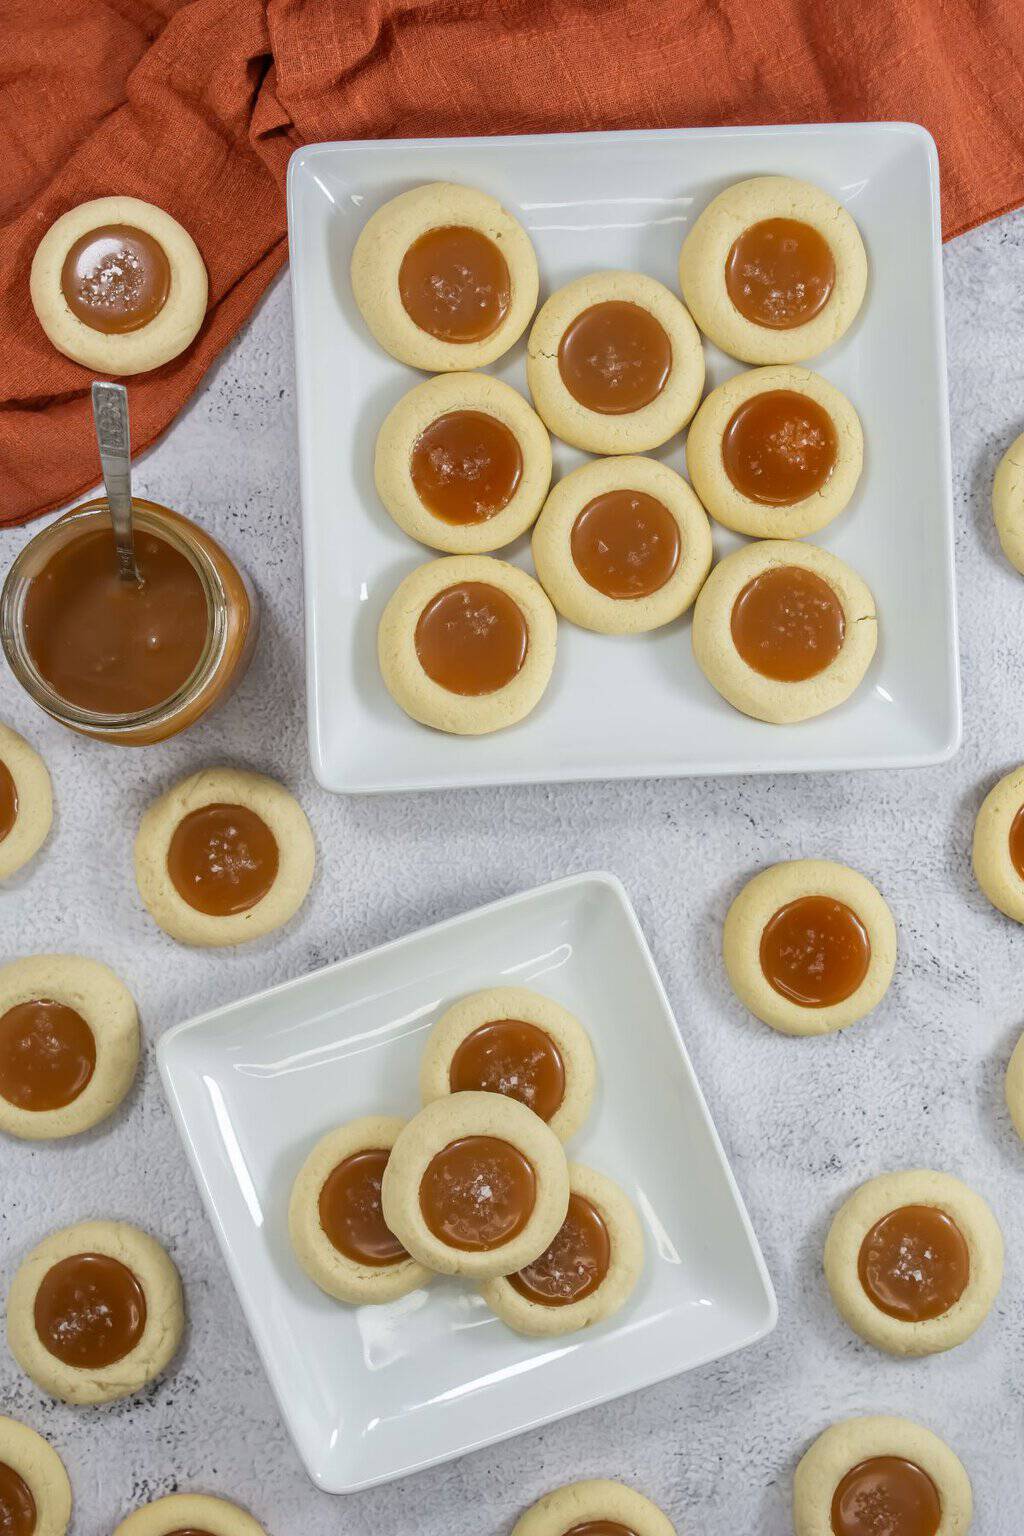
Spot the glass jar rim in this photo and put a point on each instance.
(149, 517)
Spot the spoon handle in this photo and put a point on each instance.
(110, 414)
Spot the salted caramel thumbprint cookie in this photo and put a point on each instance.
(998, 852)
(26, 802)
(880, 1476)
(598, 1507)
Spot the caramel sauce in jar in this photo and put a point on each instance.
(454, 284)
(90, 1311)
(779, 447)
(351, 1214)
(110, 646)
(18, 1512)
(466, 466)
(815, 951)
(477, 1193)
(886, 1496)
(116, 279)
(1017, 842)
(8, 801)
(472, 638)
(780, 273)
(914, 1264)
(615, 357)
(575, 1264)
(123, 664)
(788, 624)
(625, 544)
(514, 1058)
(47, 1055)
(222, 859)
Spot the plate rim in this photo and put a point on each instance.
(577, 884)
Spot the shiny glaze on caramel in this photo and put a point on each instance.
(116, 279)
(615, 357)
(788, 624)
(47, 1055)
(625, 544)
(90, 1311)
(779, 447)
(222, 859)
(472, 638)
(466, 466)
(350, 1211)
(780, 273)
(18, 1514)
(886, 1496)
(514, 1058)
(914, 1264)
(477, 1193)
(454, 284)
(815, 951)
(8, 801)
(575, 1264)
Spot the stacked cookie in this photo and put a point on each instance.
(773, 271)
(477, 1184)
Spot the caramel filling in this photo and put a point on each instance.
(454, 284)
(189, 1531)
(477, 1193)
(815, 951)
(47, 1056)
(886, 1496)
(466, 466)
(472, 639)
(575, 1264)
(788, 624)
(8, 801)
(511, 1057)
(780, 273)
(1017, 842)
(625, 544)
(90, 1311)
(222, 859)
(107, 645)
(914, 1264)
(350, 1211)
(600, 1528)
(779, 447)
(615, 357)
(116, 279)
(17, 1505)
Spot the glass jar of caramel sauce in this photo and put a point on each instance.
(126, 663)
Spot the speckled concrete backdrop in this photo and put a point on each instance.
(803, 1121)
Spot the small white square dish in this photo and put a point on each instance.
(372, 1393)
(635, 706)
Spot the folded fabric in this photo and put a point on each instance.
(197, 104)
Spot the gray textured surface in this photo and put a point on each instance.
(921, 1082)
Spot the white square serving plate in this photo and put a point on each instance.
(630, 706)
(373, 1393)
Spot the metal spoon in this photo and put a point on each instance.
(110, 415)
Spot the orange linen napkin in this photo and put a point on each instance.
(196, 105)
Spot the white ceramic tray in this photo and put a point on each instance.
(372, 1393)
(636, 706)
